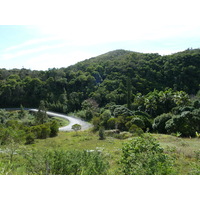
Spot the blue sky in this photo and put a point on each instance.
(43, 34)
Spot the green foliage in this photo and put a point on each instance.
(89, 109)
(157, 102)
(22, 112)
(144, 156)
(9, 134)
(30, 138)
(101, 133)
(105, 116)
(41, 116)
(96, 121)
(197, 134)
(122, 111)
(187, 123)
(121, 123)
(138, 121)
(3, 116)
(105, 79)
(54, 128)
(158, 84)
(60, 162)
(111, 123)
(137, 131)
(45, 131)
(76, 127)
(160, 122)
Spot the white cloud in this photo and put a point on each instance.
(45, 61)
(30, 42)
(15, 54)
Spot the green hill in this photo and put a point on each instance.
(103, 78)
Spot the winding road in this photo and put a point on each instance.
(72, 121)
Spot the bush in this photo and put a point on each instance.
(101, 133)
(36, 130)
(76, 127)
(105, 116)
(54, 128)
(187, 123)
(144, 156)
(96, 121)
(41, 131)
(139, 122)
(111, 124)
(160, 122)
(136, 130)
(45, 131)
(30, 138)
(121, 123)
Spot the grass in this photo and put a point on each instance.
(185, 150)
(181, 148)
(85, 140)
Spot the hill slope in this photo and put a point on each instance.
(102, 78)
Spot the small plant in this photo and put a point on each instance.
(177, 134)
(197, 134)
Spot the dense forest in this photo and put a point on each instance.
(120, 89)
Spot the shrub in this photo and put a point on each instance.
(30, 138)
(136, 130)
(121, 123)
(144, 156)
(111, 124)
(105, 116)
(160, 122)
(45, 131)
(139, 122)
(76, 127)
(41, 131)
(101, 133)
(36, 130)
(96, 121)
(54, 128)
(187, 123)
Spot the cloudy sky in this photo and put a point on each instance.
(45, 34)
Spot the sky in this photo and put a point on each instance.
(42, 34)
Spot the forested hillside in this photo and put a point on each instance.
(103, 78)
(148, 83)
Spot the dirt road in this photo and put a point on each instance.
(72, 121)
